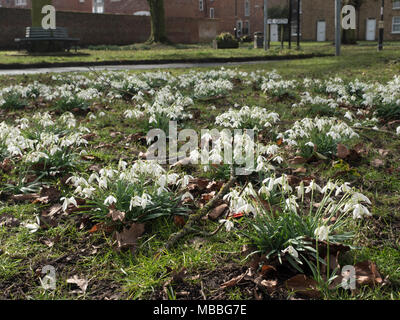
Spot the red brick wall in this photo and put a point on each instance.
(95, 29)
(314, 10)
(63, 5)
(125, 6)
(173, 8)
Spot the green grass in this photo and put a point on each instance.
(157, 53)
(22, 254)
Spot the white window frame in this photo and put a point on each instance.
(212, 13)
(397, 23)
(98, 6)
(396, 5)
(20, 2)
(248, 27)
(239, 28)
(201, 5)
(247, 8)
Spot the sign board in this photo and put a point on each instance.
(278, 21)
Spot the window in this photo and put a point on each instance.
(239, 28)
(20, 2)
(396, 25)
(246, 28)
(396, 4)
(201, 5)
(247, 8)
(212, 15)
(98, 6)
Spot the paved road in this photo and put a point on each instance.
(128, 67)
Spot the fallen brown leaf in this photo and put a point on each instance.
(342, 151)
(81, 283)
(127, 239)
(298, 160)
(6, 166)
(367, 274)
(116, 215)
(7, 220)
(300, 170)
(303, 285)
(179, 221)
(377, 163)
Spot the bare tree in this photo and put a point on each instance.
(158, 31)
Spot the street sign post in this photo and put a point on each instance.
(381, 27)
(278, 21)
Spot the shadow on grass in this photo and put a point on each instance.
(49, 54)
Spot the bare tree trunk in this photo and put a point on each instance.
(36, 12)
(158, 32)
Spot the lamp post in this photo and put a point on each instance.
(338, 25)
(381, 27)
(290, 23)
(266, 35)
(298, 23)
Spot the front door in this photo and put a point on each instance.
(274, 33)
(370, 30)
(321, 31)
(239, 27)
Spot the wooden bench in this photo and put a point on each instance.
(38, 39)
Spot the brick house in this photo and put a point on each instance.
(317, 16)
(245, 15)
(318, 20)
(62, 5)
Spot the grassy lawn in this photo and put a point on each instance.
(142, 52)
(83, 242)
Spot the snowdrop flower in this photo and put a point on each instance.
(322, 233)
(67, 202)
(300, 190)
(291, 204)
(88, 192)
(349, 115)
(187, 195)
(312, 187)
(310, 144)
(359, 197)
(278, 159)
(122, 164)
(102, 182)
(228, 224)
(344, 188)
(33, 227)
(292, 251)
(110, 200)
(328, 187)
(142, 201)
(185, 181)
(398, 131)
(359, 211)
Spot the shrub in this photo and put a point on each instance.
(13, 101)
(246, 38)
(282, 222)
(388, 111)
(227, 41)
(143, 192)
(72, 104)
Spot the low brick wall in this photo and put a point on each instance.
(109, 29)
